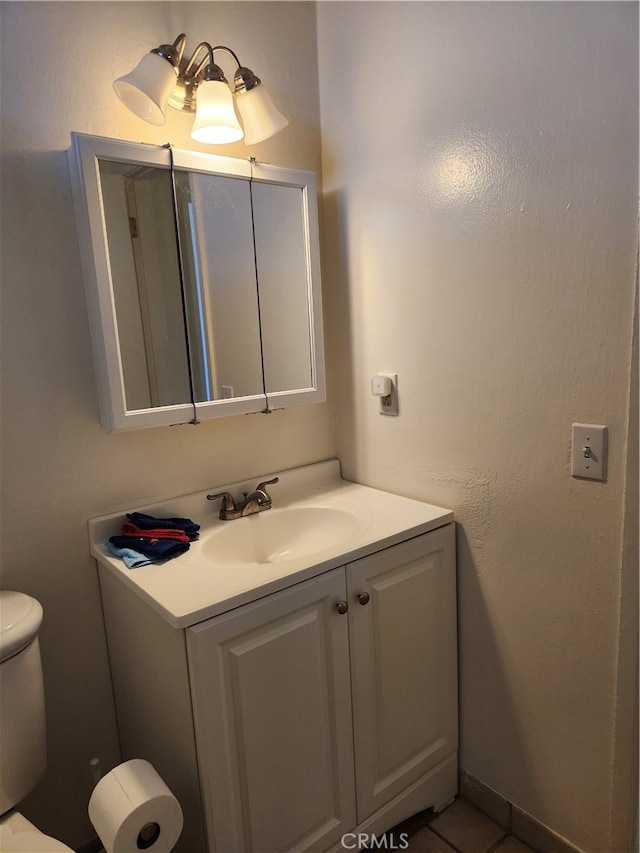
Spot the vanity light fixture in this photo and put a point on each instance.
(164, 78)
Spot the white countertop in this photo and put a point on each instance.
(194, 587)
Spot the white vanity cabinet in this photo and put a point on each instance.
(331, 705)
(300, 689)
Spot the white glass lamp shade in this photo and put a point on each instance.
(260, 117)
(146, 89)
(216, 122)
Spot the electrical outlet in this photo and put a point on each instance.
(389, 403)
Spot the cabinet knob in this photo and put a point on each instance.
(342, 607)
(364, 598)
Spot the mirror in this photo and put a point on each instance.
(202, 280)
(222, 290)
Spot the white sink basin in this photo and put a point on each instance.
(276, 535)
(318, 522)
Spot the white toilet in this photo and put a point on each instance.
(22, 723)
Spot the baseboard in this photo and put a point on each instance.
(513, 819)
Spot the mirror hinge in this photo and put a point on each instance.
(133, 226)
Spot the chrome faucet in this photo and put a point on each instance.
(257, 501)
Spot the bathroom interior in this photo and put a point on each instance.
(477, 184)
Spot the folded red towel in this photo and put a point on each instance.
(130, 529)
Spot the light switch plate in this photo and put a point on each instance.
(589, 449)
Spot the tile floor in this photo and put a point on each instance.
(460, 828)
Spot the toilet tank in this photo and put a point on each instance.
(22, 724)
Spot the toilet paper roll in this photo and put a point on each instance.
(132, 809)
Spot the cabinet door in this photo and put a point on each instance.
(404, 664)
(272, 709)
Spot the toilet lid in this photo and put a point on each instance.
(17, 835)
(20, 620)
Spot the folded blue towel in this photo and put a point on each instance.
(132, 559)
(148, 522)
(155, 549)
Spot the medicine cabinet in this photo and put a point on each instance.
(202, 279)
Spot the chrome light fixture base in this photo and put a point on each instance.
(183, 96)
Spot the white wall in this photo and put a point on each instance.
(480, 177)
(59, 466)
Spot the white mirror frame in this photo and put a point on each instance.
(83, 157)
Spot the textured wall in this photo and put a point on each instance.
(59, 466)
(480, 177)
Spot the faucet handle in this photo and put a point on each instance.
(261, 486)
(228, 503)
